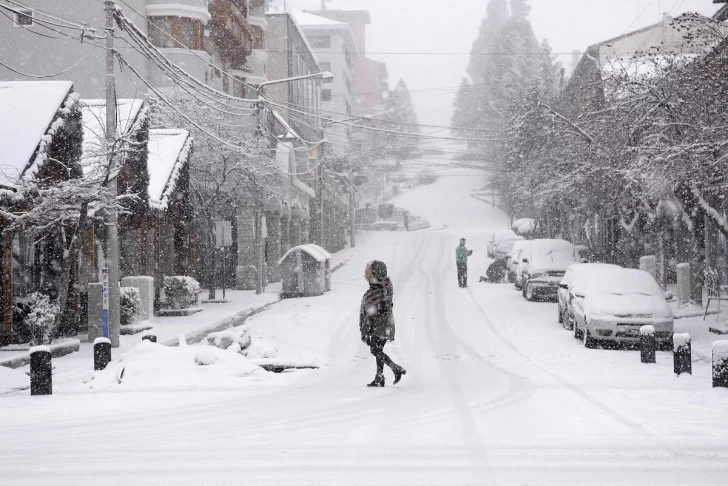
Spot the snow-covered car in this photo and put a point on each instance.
(542, 266)
(501, 244)
(513, 261)
(576, 275)
(614, 306)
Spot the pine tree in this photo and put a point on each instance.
(403, 119)
(464, 110)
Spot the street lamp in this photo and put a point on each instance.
(323, 75)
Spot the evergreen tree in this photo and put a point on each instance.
(404, 120)
(464, 109)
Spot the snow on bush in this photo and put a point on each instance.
(524, 226)
(181, 291)
(130, 303)
(41, 319)
(154, 367)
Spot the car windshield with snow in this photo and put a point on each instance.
(542, 265)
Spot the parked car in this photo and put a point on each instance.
(513, 260)
(614, 306)
(542, 266)
(577, 275)
(501, 244)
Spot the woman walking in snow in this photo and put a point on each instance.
(376, 319)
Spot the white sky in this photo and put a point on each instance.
(433, 26)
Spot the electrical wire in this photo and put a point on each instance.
(44, 76)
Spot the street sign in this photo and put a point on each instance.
(223, 233)
(105, 299)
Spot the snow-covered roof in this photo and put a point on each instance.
(168, 151)
(27, 110)
(305, 19)
(318, 253)
(128, 120)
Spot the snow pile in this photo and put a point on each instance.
(646, 330)
(679, 340)
(229, 340)
(720, 350)
(151, 366)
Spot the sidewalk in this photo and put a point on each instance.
(77, 367)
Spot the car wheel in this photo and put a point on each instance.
(565, 321)
(577, 334)
(528, 292)
(589, 341)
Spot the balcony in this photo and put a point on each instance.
(230, 30)
(256, 16)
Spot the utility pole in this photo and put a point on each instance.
(112, 230)
(352, 208)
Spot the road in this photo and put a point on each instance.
(496, 393)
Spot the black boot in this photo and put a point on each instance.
(399, 372)
(378, 381)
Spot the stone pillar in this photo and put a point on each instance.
(649, 264)
(683, 283)
(295, 225)
(285, 229)
(246, 273)
(273, 242)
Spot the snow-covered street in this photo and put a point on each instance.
(497, 392)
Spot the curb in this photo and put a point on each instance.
(57, 350)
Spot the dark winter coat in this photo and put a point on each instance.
(376, 314)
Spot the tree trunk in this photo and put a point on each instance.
(66, 319)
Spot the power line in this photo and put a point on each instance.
(44, 76)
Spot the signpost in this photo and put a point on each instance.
(223, 239)
(105, 300)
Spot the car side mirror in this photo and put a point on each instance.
(579, 295)
(669, 295)
(525, 260)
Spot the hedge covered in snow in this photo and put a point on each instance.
(181, 292)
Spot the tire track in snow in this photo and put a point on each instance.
(639, 429)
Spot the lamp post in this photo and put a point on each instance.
(259, 210)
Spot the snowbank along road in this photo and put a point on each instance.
(496, 392)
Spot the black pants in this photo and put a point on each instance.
(462, 274)
(376, 346)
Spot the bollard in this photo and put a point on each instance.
(720, 364)
(682, 354)
(41, 371)
(648, 345)
(102, 353)
(149, 337)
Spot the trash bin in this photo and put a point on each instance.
(305, 271)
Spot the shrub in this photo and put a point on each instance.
(41, 319)
(181, 292)
(130, 304)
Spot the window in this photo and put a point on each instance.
(189, 33)
(176, 32)
(160, 30)
(320, 41)
(24, 18)
(325, 95)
